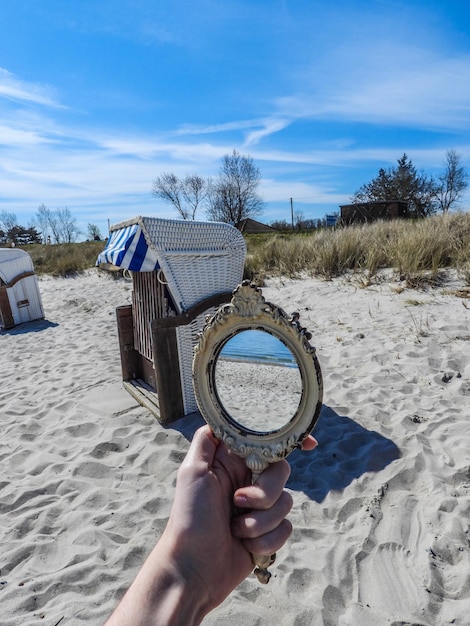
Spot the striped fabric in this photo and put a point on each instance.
(127, 248)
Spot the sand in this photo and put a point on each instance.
(381, 509)
(249, 391)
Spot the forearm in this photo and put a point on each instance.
(159, 596)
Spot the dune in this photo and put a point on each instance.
(381, 508)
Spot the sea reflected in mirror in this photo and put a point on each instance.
(258, 381)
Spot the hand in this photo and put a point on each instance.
(217, 520)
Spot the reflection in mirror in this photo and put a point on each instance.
(258, 381)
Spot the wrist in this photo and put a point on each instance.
(161, 595)
(174, 592)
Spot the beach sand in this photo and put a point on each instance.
(381, 510)
(258, 396)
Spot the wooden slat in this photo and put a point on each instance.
(6, 315)
(144, 395)
(130, 358)
(167, 373)
(150, 301)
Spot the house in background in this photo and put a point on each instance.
(252, 227)
(373, 211)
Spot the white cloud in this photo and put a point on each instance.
(389, 82)
(209, 129)
(12, 88)
(255, 129)
(269, 127)
(435, 93)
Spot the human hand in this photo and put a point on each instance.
(218, 520)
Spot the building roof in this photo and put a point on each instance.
(251, 226)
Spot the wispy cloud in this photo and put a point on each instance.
(210, 129)
(254, 129)
(13, 88)
(410, 87)
(269, 127)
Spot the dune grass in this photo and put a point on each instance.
(416, 251)
(64, 259)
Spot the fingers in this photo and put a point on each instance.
(263, 529)
(267, 489)
(260, 522)
(309, 443)
(202, 449)
(208, 454)
(205, 446)
(271, 542)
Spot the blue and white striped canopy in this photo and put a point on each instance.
(127, 248)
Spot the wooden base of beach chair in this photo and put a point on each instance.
(164, 386)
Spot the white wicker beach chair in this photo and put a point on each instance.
(199, 264)
(20, 299)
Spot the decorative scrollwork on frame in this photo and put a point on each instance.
(247, 301)
(249, 309)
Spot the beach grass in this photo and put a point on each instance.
(416, 251)
(64, 259)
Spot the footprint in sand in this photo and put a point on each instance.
(391, 583)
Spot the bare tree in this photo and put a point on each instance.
(60, 223)
(185, 194)
(167, 187)
(299, 219)
(67, 225)
(234, 196)
(94, 233)
(194, 190)
(42, 220)
(7, 220)
(452, 182)
(54, 226)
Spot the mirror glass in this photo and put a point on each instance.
(258, 381)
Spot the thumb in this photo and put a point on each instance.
(202, 449)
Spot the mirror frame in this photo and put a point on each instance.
(248, 310)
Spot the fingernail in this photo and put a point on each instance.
(241, 501)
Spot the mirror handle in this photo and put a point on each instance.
(261, 564)
(260, 561)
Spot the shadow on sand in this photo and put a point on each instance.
(29, 327)
(346, 450)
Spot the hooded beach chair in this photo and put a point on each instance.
(181, 272)
(20, 298)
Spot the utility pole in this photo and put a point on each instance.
(292, 213)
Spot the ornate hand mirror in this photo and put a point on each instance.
(257, 383)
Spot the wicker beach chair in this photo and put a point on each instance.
(181, 271)
(20, 299)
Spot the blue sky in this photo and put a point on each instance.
(98, 97)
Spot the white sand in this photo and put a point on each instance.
(259, 396)
(382, 507)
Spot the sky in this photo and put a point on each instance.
(99, 97)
